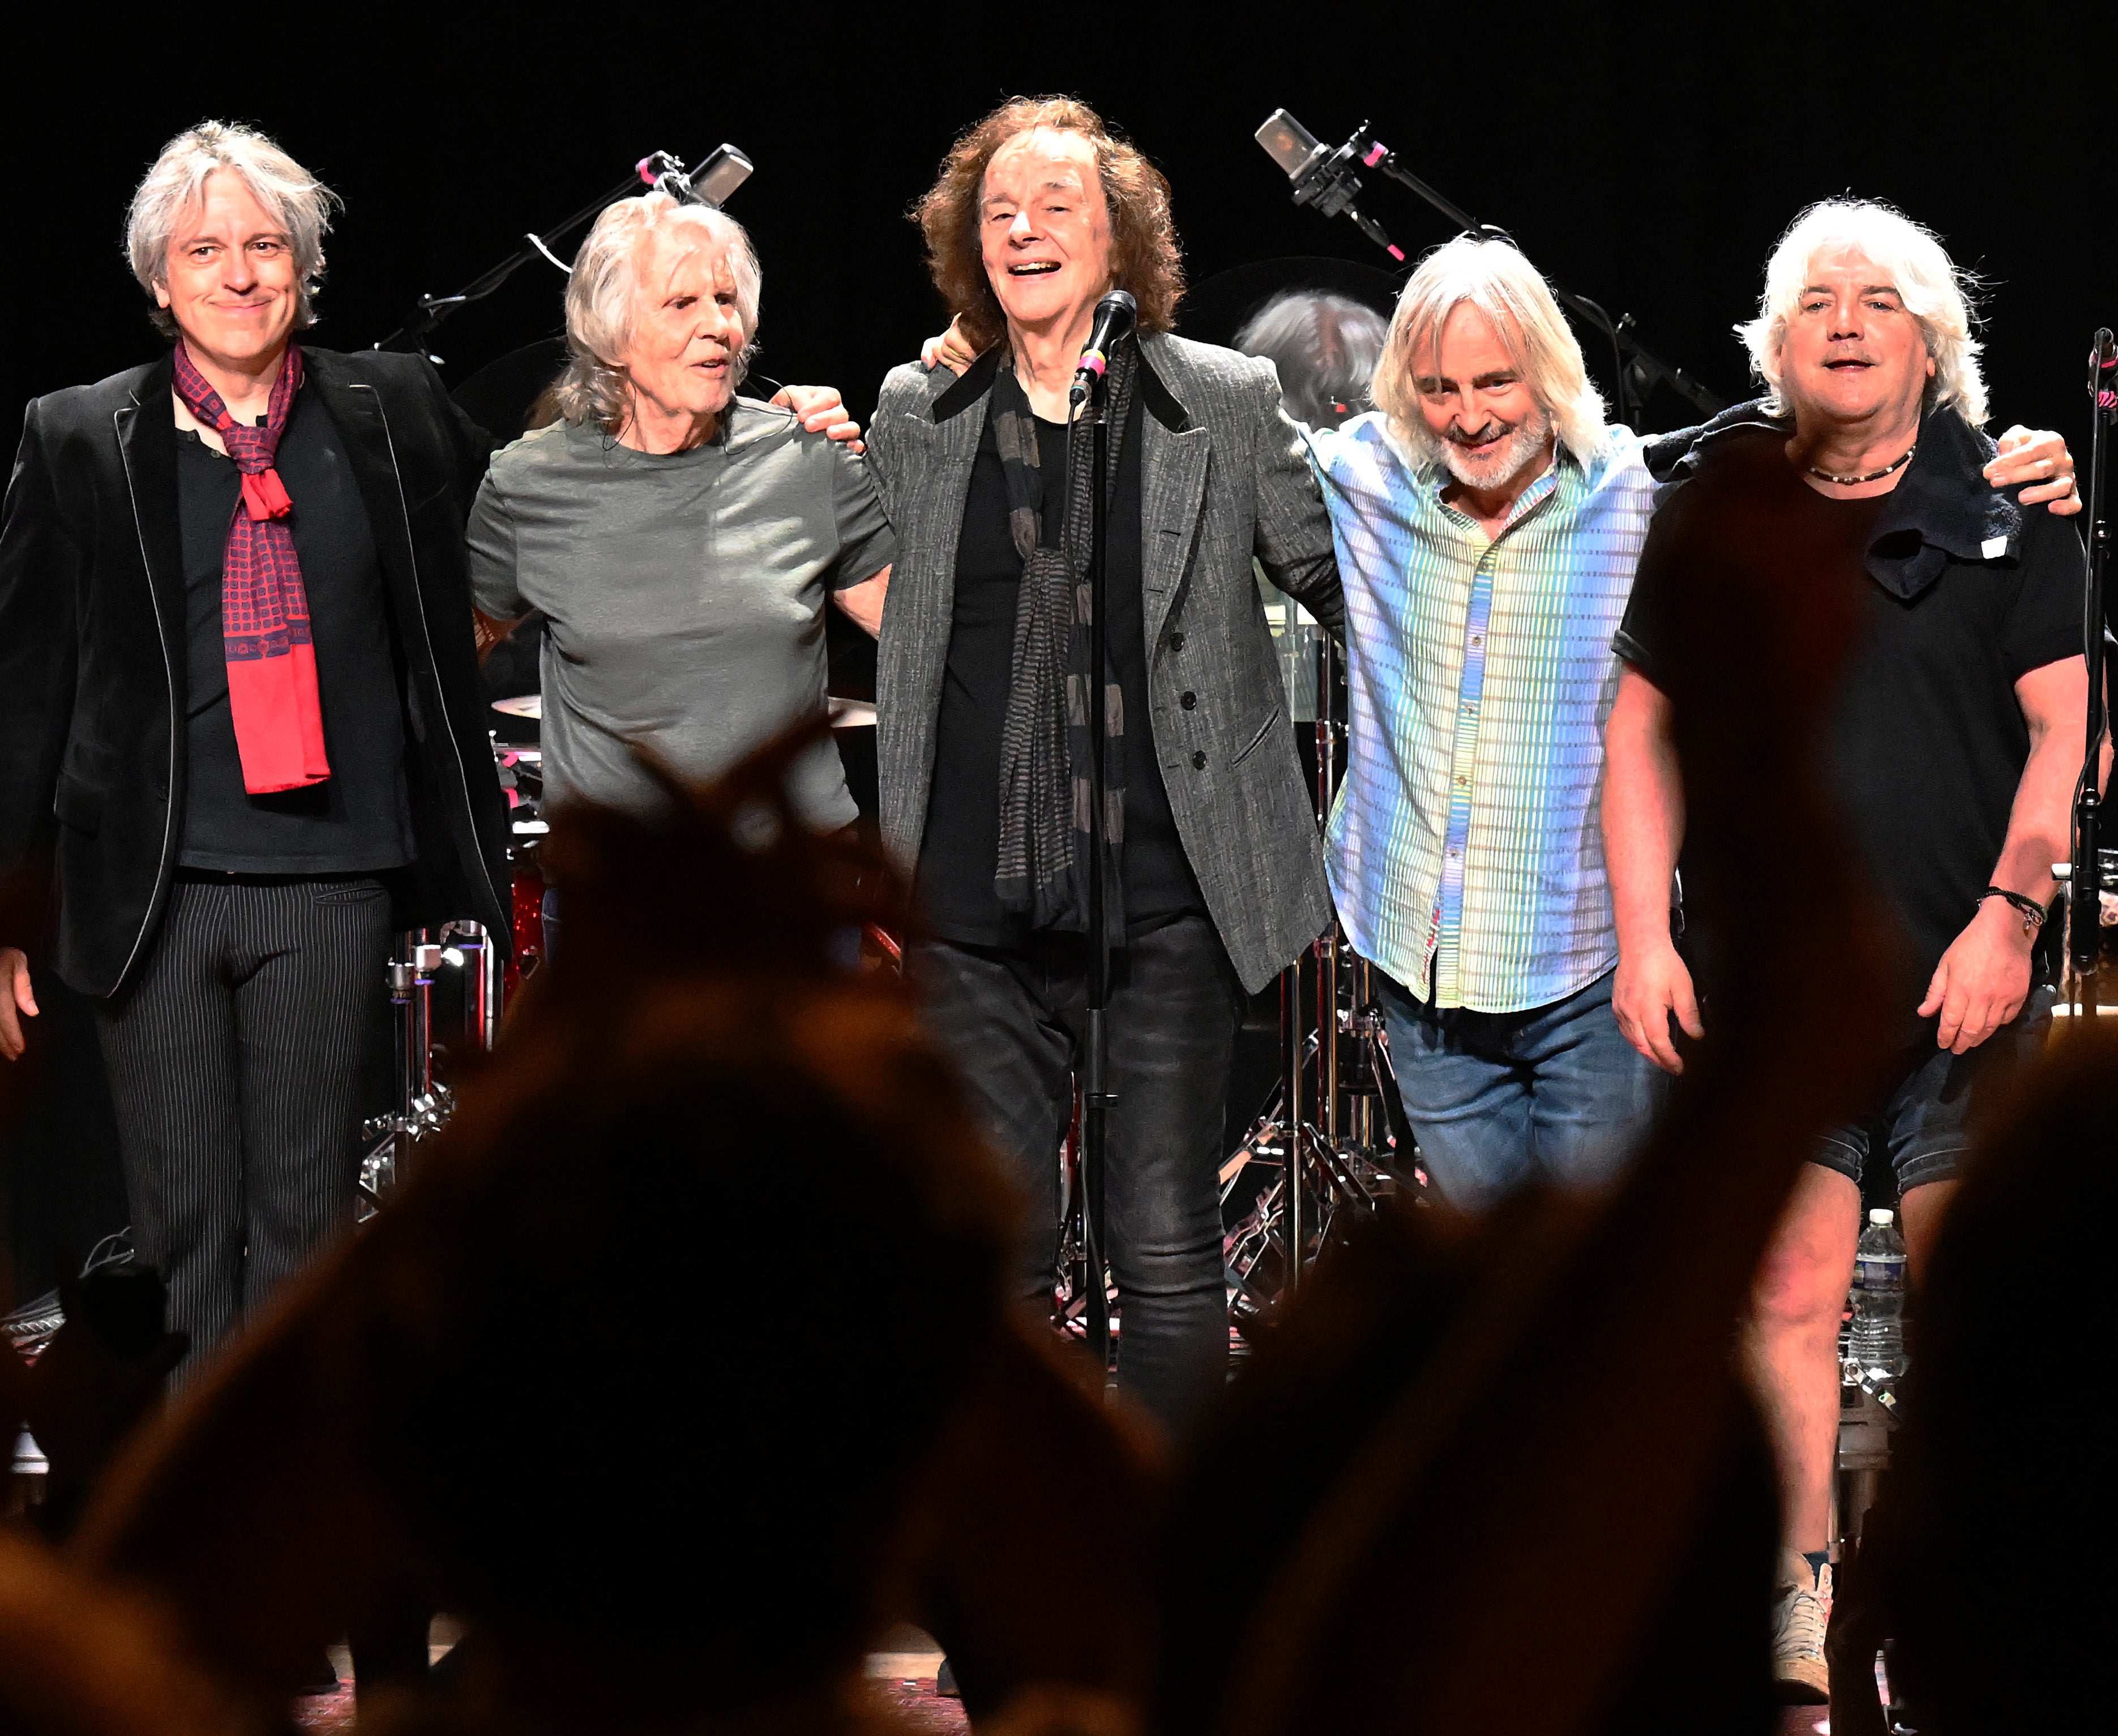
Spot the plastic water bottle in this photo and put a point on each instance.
(1877, 1350)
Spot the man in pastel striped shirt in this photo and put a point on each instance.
(1488, 523)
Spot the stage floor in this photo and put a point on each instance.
(905, 1678)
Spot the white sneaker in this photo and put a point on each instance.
(1798, 1627)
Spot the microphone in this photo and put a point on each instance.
(720, 175)
(1115, 316)
(1325, 178)
(1291, 145)
(710, 183)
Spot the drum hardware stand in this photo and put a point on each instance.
(1330, 1162)
(1304, 1140)
(418, 1112)
(424, 1104)
(484, 980)
(2086, 877)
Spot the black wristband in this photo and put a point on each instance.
(2033, 913)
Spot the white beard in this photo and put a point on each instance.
(1496, 466)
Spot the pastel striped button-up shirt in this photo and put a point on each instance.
(1465, 844)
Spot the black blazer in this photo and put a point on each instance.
(92, 648)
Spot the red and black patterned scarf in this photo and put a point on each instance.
(264, 610)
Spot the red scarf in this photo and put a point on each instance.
(264, 610)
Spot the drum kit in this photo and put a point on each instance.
(475, 978)
(1327, 1147)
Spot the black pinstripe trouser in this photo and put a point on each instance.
(235, 1060)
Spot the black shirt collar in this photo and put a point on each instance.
(972, 384)
(977, 381)
(1942, 508)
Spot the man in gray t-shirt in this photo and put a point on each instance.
(685, 591)
(682, 541)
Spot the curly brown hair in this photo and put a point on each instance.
(1144, 257)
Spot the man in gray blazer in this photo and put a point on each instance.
(1039, 212)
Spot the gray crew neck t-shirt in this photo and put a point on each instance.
(685, 593)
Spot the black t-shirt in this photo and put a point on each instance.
(359, 819)
(1927, 741)
(962, 842)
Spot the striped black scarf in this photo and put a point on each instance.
(1044, 740)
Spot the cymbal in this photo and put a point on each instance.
(525, 705)
(501, 396)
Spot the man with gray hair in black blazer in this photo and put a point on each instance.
(1038, 213)
(240, 704)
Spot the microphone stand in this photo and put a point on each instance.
(715, 178)
(2083, 875)
(1331, 185)
(1096, 1097)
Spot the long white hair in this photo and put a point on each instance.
(1492, 276)
(1935, 291)
(599, 299)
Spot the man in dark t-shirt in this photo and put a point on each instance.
(1952, 747)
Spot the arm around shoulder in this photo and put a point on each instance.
(904, 397)
(1294, 537)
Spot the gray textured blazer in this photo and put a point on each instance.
(1222, 478)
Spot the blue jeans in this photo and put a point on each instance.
(1498, 1101)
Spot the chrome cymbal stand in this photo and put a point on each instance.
(1322, 1132)
(1337, 1172)
(485, 980)
(423, 1107)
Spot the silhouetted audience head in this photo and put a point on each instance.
(1287, 1450)
(695, 1275)
(1325, 347)
(640, 1370)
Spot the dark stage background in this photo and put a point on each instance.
(1648, 164)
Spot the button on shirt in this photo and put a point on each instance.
(1465, 848)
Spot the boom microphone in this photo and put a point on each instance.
(1325, 178)
(1291, 145)
(1115, 317)
(1328, 180)
(710, 183)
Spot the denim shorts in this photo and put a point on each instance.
(1923, 1123)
